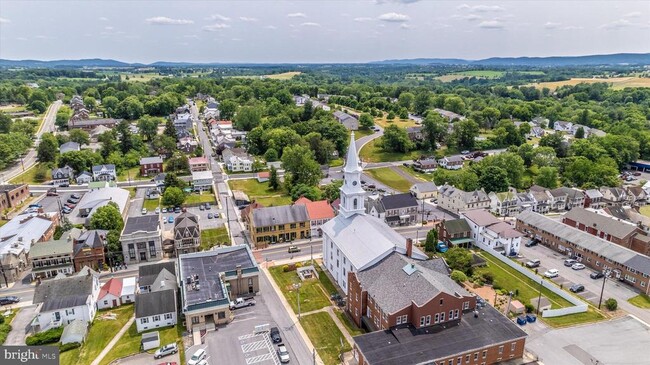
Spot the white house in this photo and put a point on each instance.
(104, 172)
(489, 232)
(202, 180)
(127, 295)
(109, 294)
(64, 299)
(562, 126)
(451, 162)
(157, 308)
(425, 190)
(84, 178)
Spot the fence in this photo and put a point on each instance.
(578, 305)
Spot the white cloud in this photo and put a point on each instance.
(297, 15)
(472, 17)
(617, 24)
(235, 39)
(272, 27)
(4, 21)
(215, 27)
(310, 24)
(405, 26)
(362, 19)
(103, 18)
(634, 14)
(572, 27)
(223, 18)
(21, 39)
(247, 19)
(396, 1)
(480, 8)
(394, 17)
(551, 25)
(192, 36)
(491, 24)
(163, 20)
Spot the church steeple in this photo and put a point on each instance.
(352, 194)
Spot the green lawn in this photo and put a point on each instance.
(129, 343)
(391, 178)
(325, 281)
(29, 176)
(194, 199)
(3, 222)
(213, 236)
(372, 153)
(645, 210)
(260, 192)
(132, 173)
(131, 191)
(325, 336)
(312, 296)
(592, 315)
(352, 328)
(5, 328)
(100, 334)
(151, 204)
(641, 301)
(336, 162)
(362, 133)
(418, 175)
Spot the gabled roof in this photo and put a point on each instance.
(151, 160)
(61, 246)
(481, 217)
(155, 303)
(456, 226)
(397, 201)
(113, 287)
(99, 168)
(593, 194)
(65, 292)
(316, 210)
(425, 187)
(600, 222)
(128, 286)
(284, 214)
(198, 160)
(148, 273)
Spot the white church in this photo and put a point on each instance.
(353, 240)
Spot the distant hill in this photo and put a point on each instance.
(93, 62)
(591, 60)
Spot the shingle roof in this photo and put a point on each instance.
(316, 210)
(397, 201)
(593, 193)
(145, 223)
(154, 303)
(394, 289)
(98, 168)
(148, 273)
(113, 286)
(151, 160)
(425, 187)
(65, 292)
(457, 226)
(600, 222)
(481, 217)
(56, 247)
(283, 214)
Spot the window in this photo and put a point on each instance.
(475, 356)
(500, 349)
(437, 318)
(131, 251)
(405, 318)
(459, 360)
(356, 312)
(484, 354)
(168, 316)
(442, 317)
(451, 362)
(451, 314)
(354, 203)
(399, 320)
(156, 318)
(106, 302)
(428, 322)
(152, 249)
(441, 301)
(422, 319)
(465, 305)
(466, 359)
(144, 320)
(456, 314)
(513, 346)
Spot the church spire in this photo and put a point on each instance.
(352, 194)
(352, 160)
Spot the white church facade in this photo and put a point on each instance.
(353, 240)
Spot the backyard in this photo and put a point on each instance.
(196, 199)
(213, 236)
(132, 174)
(100, 334)
(151, 204)
(260, 192)
(387, 176)
(371, 152)
(326, 337)
(129, 343)
(313, 294)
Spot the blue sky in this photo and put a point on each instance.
(318, 31)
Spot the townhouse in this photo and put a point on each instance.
(89, 250)
(199, 164)
(455, 232)
(455, 200)
(13, 195)
(505, 204)
(489, 232)
(187, 236)
(397, 209)
(320, 212)
(283, 223)
(593, 199)
(237, 160)
(53, 257)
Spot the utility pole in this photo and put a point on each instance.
(311, 251)
(297, 286)
(602, 289)
(313, 356)
(539, 299)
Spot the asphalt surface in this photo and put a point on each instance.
(20, 325)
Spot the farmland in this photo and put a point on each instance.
(617, 83)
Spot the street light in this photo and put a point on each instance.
(602, 289)
(297, 287)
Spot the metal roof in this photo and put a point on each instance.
(397, 201)
(151, 160)
(616, 228)
(284, 214)
(145, 223)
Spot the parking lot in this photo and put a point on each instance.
(238, 342)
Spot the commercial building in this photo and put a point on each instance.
(96, 198)
(618, 231)
(187, 236)
(89, 250)
(283, 223)
(12, 195)
(141, 239)
(54, 257)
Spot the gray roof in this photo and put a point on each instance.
(457, 226)
(283, 214)
(406, 345)
(94, 238)
(144, 223)
(147, 274)
(65, 292)
(425, 187)
(587, 241)
(394, 289)
(600, 222)
(61, 246)
(155, 303)
(69, 146)
(98, 168)
(370, 203)
(186, 222)
(397, 201)
(74, 331)
(455, 158)
(481, 217)
(593, 193)
(151, 160)
(465, 196)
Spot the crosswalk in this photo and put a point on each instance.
(260, 358)
(258, 348)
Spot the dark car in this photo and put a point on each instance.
(531, 243)
(577, 288)
(75, 196)
(596, 275)
(9, 300)
(275, 335)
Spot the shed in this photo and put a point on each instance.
(75, 331)
(516, 307)
(544, 304)
(128, 290)
(150, 340)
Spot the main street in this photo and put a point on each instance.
(29, 159)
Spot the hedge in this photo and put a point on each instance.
(69, 346)
(52, 335)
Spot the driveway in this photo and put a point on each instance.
(147, 359)
(135, 209)
(20, 326)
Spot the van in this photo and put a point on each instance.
(198, 356)
(569, 262)
(533, 263)
(293, 249)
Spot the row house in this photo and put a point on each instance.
(542, 200)
(187, 144)
(396, 209)
(637, 196)
(505, 204)
(54, 257)
(455, 200)
(320, 212)
(614, 196)
(283, 223)
(237, 160)
(593, 199)
(489, 232)
(199, 164)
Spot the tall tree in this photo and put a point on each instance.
(300, 166)
(173, 197)
(580, 133)
(431, 241)
(396, 139)
(170, 129)
(80, 136)
(148, 127)
(107, 217)
(494, 178)
(366, 121)
(48, 149)
(465, 133)
(248, 117)
(434, 130)
(274, 181)
(547, 177)
(5, 123)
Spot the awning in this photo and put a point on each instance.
(404, 216)
(460, 241)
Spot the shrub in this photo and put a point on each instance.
(52, 335)
(69, 346)
(285, 268)
(298, 265)
(611, 304)
(496, 285)
(529, 308)
(2, 319)
(487, 277)
(458, 276)
(5, 328)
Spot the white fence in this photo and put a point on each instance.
(578, 305)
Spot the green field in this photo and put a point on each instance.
(29, 176)
(129, 343)
(260, 192)
(592, 315)
(195, 198)
(151, 204)
(482, 74)
(312, 293)
(214, 236)
(641, 301)
(417, 175)
(362, 133)
(352, 328)
(131, 174)
(325, 336)
(372, 153)
(140, 77)
(388, 177)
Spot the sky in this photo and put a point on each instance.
(314, 31)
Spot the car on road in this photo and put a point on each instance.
(577, 288)
(569, 262)
(168, 349)
(533, 263)
(275, 335)
(210, 215)
(433, 201)
(531, 243)
(52, 192)
(551, 273)
(596, 275)
(577, 266)
(241, 303)
(170, 219)
(157, 211)
(144, 211)
(464, 152)
(9, 300)
(293, 249)
(196, 357)
(283, 354)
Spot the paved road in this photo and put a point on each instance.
(29, 159)
(20, 326)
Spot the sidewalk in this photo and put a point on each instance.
(110, 345)
(292, 315)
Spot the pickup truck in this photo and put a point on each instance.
(241, 303)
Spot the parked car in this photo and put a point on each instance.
(241, 303)
(177, 210)
(533, 263)
(157, 211)
(144, 211)
(69, 205)
(372, 186)
(164, 210)
(210, 215)
(293, 249)
(283, 354)
(168, 349)
(207, 206)
(75, 196)
(521, 320)
(66, 210)
(596, 275)
(577, 288)
(577, 266)
(72, 200)
(530, 318)
(531, 243)
(464, 152)
(198, 356)
(170, 219)
(201, 207)
(9, 300)
(275, 335)
(551, 273)
(569, 262)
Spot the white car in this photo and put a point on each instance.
(551, 273)
(283, 354)
(577, 266)
(157, 211)
(144, 211)
(197, 357)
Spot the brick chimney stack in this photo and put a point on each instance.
(409, 247)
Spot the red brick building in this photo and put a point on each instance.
(89, 250)
(151, 166)
(12, 195)
(417, 314)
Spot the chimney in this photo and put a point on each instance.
(409, 247)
